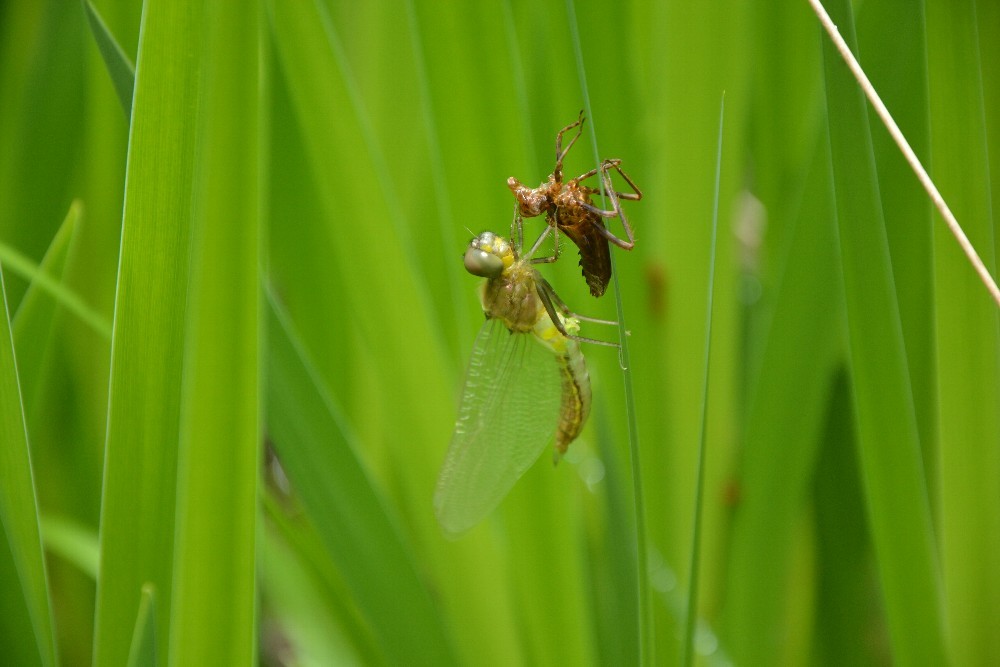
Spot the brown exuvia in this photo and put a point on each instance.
(568, 209)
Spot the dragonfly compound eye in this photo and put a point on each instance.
(483, 264)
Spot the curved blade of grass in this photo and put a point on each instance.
(21, 265)
(21, 545)
(330, 112)
(968, 335)
(214, 601)
(361, 537)
(42, 276)
(687, 657)
(120, 68)
(139, 502)
(891, 462)
(33, 322)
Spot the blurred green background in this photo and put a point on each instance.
(237, 322)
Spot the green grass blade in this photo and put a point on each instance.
(42, 276)
(900, 76)
(21, 265)
(40, 124)
(41, 329)
(33, 323)
(292, 539)
(21, 545)
(612, 563)
(968, 336)
(988, 30)
(392, 297)
(646, 646)
(138, 506)
(307, 605)
(318, 454)
(789, 256)
(677, 133)
(73, 542)
(442, 202)
(687, 657)
(548, 598)
(846, 605)
(892, 470)
(314, 19)
(213, 609)
(802, 313)
(142, 651)
(121, 70)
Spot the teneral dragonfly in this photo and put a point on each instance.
(526, 383)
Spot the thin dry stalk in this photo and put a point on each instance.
(904, 146)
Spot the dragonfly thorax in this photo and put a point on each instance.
(512, 298)
(530, 202)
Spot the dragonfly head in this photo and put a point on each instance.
(488, 255)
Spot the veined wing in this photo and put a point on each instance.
(508, 413)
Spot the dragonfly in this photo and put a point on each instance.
(526, 383)
(568, 208)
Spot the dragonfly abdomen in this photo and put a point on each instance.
(576, 397)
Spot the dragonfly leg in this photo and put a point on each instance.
(561, 306)
(555, 247)
(560, 153)
(549, 301)
(529, 256)
(613, 163)
(616, 164)
(615, 198)
(517, 230)
(517, 241)
(607, 233)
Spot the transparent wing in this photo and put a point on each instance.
(508, 413)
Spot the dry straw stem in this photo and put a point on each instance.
(908, 153)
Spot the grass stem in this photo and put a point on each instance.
(645, 615)
(692, 608)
